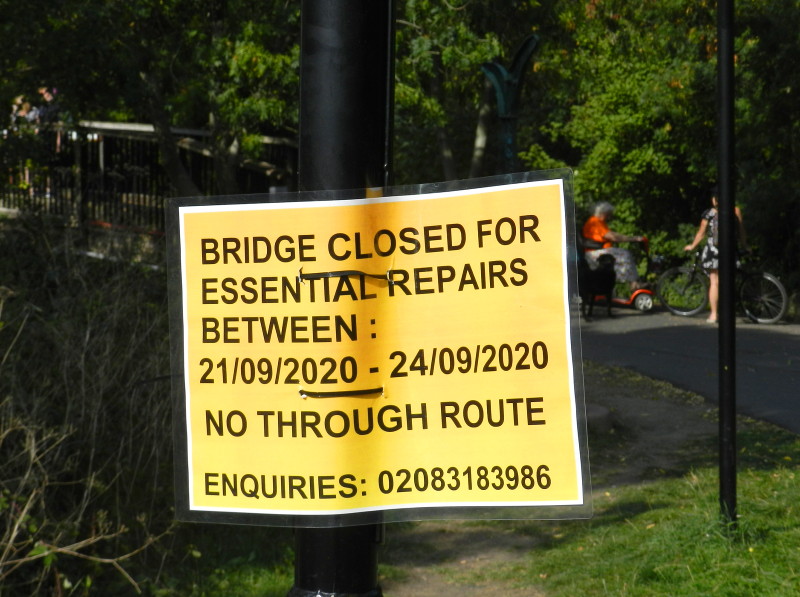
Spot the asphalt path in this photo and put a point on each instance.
(684, 351)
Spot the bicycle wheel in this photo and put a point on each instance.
(682, 290)
(763, 298)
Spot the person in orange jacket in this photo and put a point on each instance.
(599, 239)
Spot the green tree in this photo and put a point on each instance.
(636, 84)
(623, 92)
(438, 87)
(227, 65)
(626, 95)
(768, 129)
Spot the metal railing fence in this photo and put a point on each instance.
(110, 174)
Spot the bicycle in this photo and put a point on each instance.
(684, 291)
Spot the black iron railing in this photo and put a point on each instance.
(110, 174)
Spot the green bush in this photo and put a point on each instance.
(86, 436)
(86, 495)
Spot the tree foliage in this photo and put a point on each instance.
(641, 108)
(438, 87)
(230, 66)
(626, 95)
(768, 129)
(622, 92)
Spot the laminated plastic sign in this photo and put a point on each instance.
(408, 356)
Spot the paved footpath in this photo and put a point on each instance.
(684, 352)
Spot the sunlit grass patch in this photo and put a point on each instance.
(667, 537)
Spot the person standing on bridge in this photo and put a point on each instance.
(709, 229)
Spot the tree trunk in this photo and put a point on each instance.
(445, 150)
(226, 161)
(481, 132)
(167, 148)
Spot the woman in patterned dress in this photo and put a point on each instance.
(709, 229)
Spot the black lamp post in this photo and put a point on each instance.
(346, 88)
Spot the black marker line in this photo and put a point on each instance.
(343, 394)
(338, 274)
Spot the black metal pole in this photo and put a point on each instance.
(727, 263)
(346, 94)
(346, 90)
(337, 562)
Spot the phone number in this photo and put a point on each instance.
(485, 358)
(483, 478)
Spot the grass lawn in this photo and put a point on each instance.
(660, 533)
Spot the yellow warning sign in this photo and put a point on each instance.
(377, 354)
